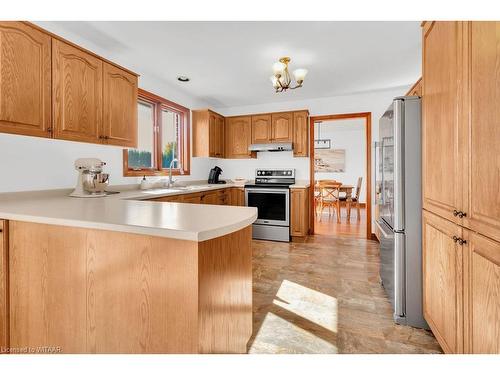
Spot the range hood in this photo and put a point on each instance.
(273, 147)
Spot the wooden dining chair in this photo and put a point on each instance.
(354, 199)
(329, 197)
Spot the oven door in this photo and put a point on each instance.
(273, 205)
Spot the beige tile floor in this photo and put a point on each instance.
(323, 295)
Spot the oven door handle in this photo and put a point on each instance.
(264, 190)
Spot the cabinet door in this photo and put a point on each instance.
(191, 198)
(4, 308)
(211, 135)
(300, 133)
(483, 206)
(77, 93)
(442, 164)
(237, 197)
(209, 198)
(282, 127)
(483, 307)
(223, 197)
(442, 281)
(261, 129)
(299, 212)
(25, 81)
(120, 107)
(219, 137)
(238, 137)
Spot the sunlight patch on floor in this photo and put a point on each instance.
(277, 335)
(309, 304)
(302, 320)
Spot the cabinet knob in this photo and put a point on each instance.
(455, 239)
(462, 214)
(455, 213)
(461, 241)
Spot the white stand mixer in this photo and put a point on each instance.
(91, 181)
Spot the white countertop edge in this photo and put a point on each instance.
(148, 231)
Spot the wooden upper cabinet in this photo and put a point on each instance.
(282, 127)
(261, 129)
(77, 93)
(300, 133)
(219, 136)
(483, 290)
(208, 134)
(482, 129)
(120, 107)
(238, 137)
(441, 139)
(442, 281)
(25, 80)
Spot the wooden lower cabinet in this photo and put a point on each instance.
(98, 291)
(224, 197)
(237, 196)
(482, 287)
(4, 291)
(443, 281)
(299, 212)
(234, 196)
(211, 197)
(170, 198)
(191, 198)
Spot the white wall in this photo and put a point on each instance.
(30, 163)
(348, 135)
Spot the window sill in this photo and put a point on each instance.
(140, 173)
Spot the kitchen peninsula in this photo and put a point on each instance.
(124, 274)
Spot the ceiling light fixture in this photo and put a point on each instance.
(281, 77)
(183, 78)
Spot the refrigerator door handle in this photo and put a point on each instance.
(382, 230)
(398, 124)
(399, 275)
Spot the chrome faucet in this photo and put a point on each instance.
(170, 179)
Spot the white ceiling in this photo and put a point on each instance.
(229, 63)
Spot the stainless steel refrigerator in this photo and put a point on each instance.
(398, 188)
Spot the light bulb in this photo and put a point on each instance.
(299, 75)
(278, 68)
(274, 80)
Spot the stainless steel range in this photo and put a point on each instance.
(271, 195)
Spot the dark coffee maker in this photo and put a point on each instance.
(213, 177)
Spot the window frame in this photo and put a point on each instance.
(159, 104)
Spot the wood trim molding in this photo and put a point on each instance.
(368, 138)
(414, 85)
(52, 35)
(185, 138)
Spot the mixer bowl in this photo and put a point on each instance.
(95, 182)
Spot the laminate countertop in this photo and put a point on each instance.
(129, 212)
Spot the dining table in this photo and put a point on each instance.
(347, 190)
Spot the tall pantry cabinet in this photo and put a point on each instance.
(461, 184)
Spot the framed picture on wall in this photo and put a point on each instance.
(329, 160)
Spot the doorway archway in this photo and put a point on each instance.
(367, 116)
